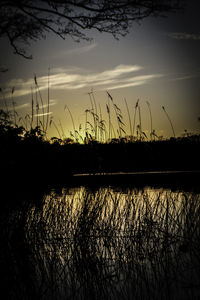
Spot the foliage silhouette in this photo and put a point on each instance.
(25, 21)
(28, 152)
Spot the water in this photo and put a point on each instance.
(102, 243)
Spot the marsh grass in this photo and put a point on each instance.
(96, 129)
(106, 244)
(169, 119)
(151, 120)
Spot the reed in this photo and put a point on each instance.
(5, 103)
(96, 117)
(167, 115)
(118, 115)
(129, 118)
(96, 128)
(94, 113)
(151, 121)
(134, 118)
(105, 244)
(56, 127)
(140, 122)
(73, 124)
(109, 119)
(42, 104)
(15, 114)
(48, 100)
(62, 131)
(102, 127)
(32, 108)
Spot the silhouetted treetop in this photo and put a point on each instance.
(26, 20)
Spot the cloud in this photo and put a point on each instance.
(28, 105)
(76, 51)
(72, 79)
(43, 114)
(22, 106)
(135, 81)
(21, 87)
(77, 81)
(51, 103)
(184, 36)
(184, 76)
(80, 50)
(119, 86)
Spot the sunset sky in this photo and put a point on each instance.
(158, 62)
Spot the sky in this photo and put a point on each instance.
(157, 62)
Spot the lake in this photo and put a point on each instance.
(101, 242)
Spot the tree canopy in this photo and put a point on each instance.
(23, 21)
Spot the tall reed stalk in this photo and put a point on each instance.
(42, 104)
(5, 103)
(95, 116)
(102, 129)
(61, 128)
(86, 128)
(13, 105)
(32, 108)
(74, 129)
(129, 117)
(93, 112)
(54, 124)
(134, 119)
(119, 117)
(140, 122)
(167, 115)
(109, 119)
(48, 100)
(37, 107)
(151, 122)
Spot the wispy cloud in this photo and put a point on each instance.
(119, 86)
(135, 81)
(183, 76)
(43, 114)
(52, 103)
(184, 36)
(22, 106)
(72, 79)
(75, 51)
(80, 50)
(28, 105)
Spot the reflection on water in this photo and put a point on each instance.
(105, 244)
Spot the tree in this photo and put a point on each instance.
(23, 21)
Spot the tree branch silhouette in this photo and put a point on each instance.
(23, 21)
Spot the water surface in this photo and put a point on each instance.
(103, 243)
